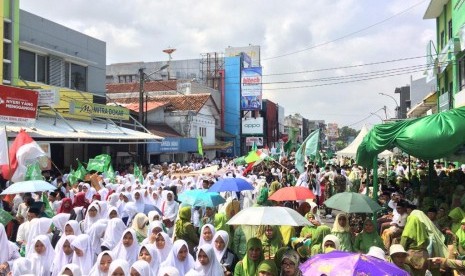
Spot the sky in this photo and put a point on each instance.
(365, 47)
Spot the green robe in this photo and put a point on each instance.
(345, 239)
(320, 233)
(247, 267)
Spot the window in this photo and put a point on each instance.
(33, 67)
(127, 78)
(6, 72)
(442, 39)
(7, 30)
(203, 131)
(75, 76)
(449, 28)
(461, 73)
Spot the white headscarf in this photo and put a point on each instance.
(60, 220)
(332, 238)
(123, 264)
(337, 228)
(41, 263)
(165, 251)
(96, 232)
(21, 266)
(113, 199)
(38, 226)
(130, 253)
(85, 262)
(90, 191)
(75, 269)
(130, 210)
(213, 267)
(172, 259)
(169, 207)
(75, 225)
(139, 224)
(104, 206)
(155, 262)
(114, 232)
(202, 241)
(139, 202)
(168, 270)
(7, 248)
(111, 209)
(152, 214)
(225, 237)
(88, 221)
(95, 271)
(142, 267)
(61, 259)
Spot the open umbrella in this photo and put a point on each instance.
(151, 207)
(268, 216)
(201, 198)
(231, 185)
(347, 263)
(292, 193)
(29, 186)
(352, 203)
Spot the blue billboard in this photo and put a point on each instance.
(251, 88)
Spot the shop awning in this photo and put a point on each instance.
(79, 131)
(429, 102)
(219, 133)
(219, 145)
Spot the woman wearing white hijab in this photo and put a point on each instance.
(104, 206)
(223, 254)
(206, 263)
(63, 254)
(113, 234)
(113, 212)
(164, 245)
(168, 271)
(139, 200)
(92, 216)
(180, 258)
(38, 226)
(119, 266)
(149, 254)
(154, 216)
(8, 250)
(72, 228)
(130, 210)
(141, 267)
(83, 253)
(156, 199)
(113, 199)
(90, 191)
(102, 265)
(42, 255)
(73, 268)
(127, 248)
(21, 266)
(96, 233)
(170, 210)
(154, 228)
(60, 220)
(139, 224)
(206, 234)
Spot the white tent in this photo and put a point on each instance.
(351, 150)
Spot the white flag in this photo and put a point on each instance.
(3, 147)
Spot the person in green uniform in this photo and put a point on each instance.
(456, 215)
(367, 238)
(415, 240)
(317, 240)
(271, 242)
(185, 230)
(341, 229)
(267, 268)
(249, 264)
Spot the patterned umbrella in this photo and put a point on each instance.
(347, 264)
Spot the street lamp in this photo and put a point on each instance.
(394, 99)
(142, 78)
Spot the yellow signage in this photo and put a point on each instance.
(99, 110)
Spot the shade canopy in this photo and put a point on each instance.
(351, 150)
(430, 137)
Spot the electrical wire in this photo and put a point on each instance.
(347, 35)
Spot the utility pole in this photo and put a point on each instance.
(385, 112)
(141, 95)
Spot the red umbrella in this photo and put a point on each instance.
(292, 193)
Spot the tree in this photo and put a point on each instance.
(346, 133)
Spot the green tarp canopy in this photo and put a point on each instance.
(431, 137)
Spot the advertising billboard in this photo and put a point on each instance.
(252, 126)
(252, 51)
(99, 110)
(17, 104)
(332, 130)
(251, 88)
(250, 141)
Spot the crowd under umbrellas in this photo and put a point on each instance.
(190, 224)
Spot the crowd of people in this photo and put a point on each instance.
(139, 227)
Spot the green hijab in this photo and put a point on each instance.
(415, 230)
(263, 196)
(274, 187)
(365, 240)
(461, 235)
(267, 266)
(274, 243)
(456, 215)
(279, 255)
(220, 222)
(184, 216)
(249, 266)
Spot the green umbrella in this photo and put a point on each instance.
(352, 203)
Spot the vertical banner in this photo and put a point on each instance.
(251, 88)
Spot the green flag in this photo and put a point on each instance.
(200, 145)
(137, 171)
(80, 171)
(96, 165)
(5, 218)
(254, 146)
(48, 208)
(110, 174)
(72, 179)
(34, 172)
(252, 157)
(308, 148)
(106, 160)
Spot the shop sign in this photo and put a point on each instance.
(99, 110)
(17, 105)
(252, 126)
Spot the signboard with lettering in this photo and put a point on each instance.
(250, 141)
(252, 126)
(48, 97)
(252, 51)
(251, 88)
(17, 104)
(99, 110)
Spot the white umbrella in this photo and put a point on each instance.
(268, 216)
(29, 186)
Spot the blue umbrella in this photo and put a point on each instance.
(231, 185)
(201, 198)
(151, 207)
(29, 186)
